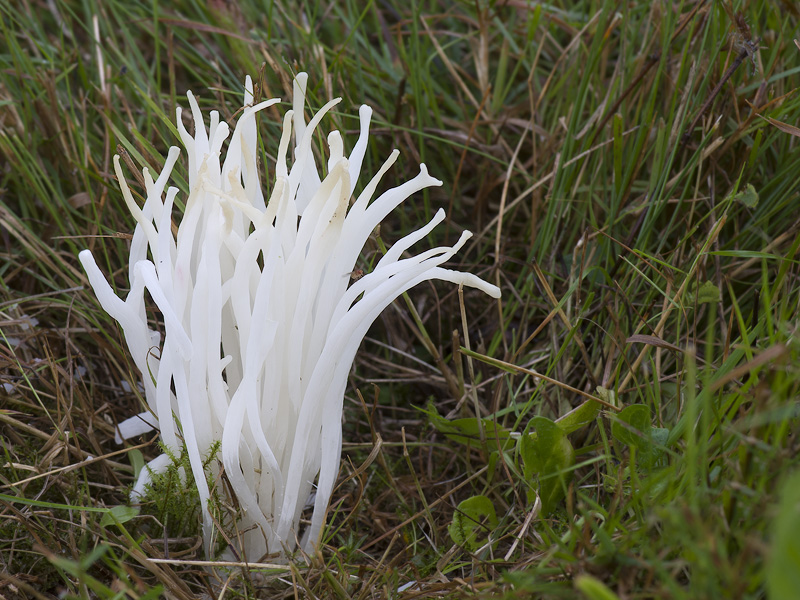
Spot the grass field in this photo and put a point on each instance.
(630, 172)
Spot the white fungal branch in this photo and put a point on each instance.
(260, 327)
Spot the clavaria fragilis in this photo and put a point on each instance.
(261, 326)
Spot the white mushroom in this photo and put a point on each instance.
(260, 326)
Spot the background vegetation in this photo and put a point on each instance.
(629, 169)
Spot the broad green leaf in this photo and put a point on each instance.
(593, 588)
(634, 418)
(783, 564)
(659, 436)
(579, 416)
(707, 293)
(632, 428)
(748, 196)
(119, 514)
(473, 520)
(547, 454)
(654, 451)
(540, 449)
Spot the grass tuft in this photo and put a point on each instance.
(621, 424)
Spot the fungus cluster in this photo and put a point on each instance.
(261, 320)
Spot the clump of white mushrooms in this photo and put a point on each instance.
(261, 324)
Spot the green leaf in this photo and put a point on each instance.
(467, 431)
(708, 293)
(632, 428)
(748, 196)
(137, 462)
(494, 456)
(654, 451)
(634, 418)
(593, 588)
(547, 454)
(783, 564)
(43, 504)
(118, 515)
(80, 570)
(607, 395)
(705, 293)
(538, 450)
(617, 129)
(659, 436)
(473, 520)
(579, 416)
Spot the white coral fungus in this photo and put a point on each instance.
(260, 325)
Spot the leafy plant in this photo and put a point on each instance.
(547, 455)
(632, 428)
(474, 521)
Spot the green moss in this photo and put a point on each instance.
(172, 498)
